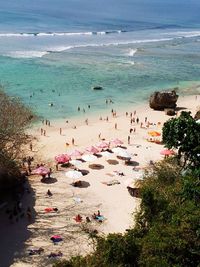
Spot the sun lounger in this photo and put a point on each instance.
(112, 182)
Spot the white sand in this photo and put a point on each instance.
(114, 202)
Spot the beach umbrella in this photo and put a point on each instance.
(198, 121)
(116, 142)
(118, 150)
(103, 145)
(75, 162)
(132, 183)
(107, 154)
(41, 171)
(89, 158)
(62, 158)
(167, 152)
(75, 154)
(124, 154)
(154, 133)
(73, 174)
(92, 150)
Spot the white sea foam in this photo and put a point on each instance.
(184, 34)
(26, 54)
(132, 52)
(45, 34)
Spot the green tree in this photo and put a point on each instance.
(15, 118)
(183, 134)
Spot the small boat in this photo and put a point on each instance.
(97, 88)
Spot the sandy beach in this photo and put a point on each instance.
(114, 202)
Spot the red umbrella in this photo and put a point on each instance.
(116, 142)
(41, 171)
(75, 154)
(167, 152)
(92, 150)
(103, 145)
(62, 158)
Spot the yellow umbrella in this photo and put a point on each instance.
(154, 133)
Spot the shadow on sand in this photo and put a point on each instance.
(49, 180)
(14, 227)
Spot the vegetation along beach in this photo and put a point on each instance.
(99, 133)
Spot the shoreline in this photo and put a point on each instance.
(102, 126)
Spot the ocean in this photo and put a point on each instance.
(57, 51)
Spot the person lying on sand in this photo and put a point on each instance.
(35, 251)
(55, 254)
(51, 209)
(78, 218)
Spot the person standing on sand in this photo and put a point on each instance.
(73, 141)
(44, 132)
(115, 126)
(60, 131)
(31, 147)
(129, 139)
(100, 136)
(41, 131)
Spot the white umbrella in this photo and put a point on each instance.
(138, 175)
(128, 181)
(124, 154)
(74, 174)
(198, 121)
(89, 158)
(75, 162)
(107, 154)
(118, 150)
(132, 183)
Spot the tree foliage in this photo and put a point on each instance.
(167, 230)
(183, 133)
(15, 118)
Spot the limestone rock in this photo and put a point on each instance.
(162, 100)
(170, 111)
(197, 115)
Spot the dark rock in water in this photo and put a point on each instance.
(97, 88)
(162, 100)
(197, 115)
(170, 111)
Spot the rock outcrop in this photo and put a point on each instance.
(197, 115)
(170, 111)
(162, 100)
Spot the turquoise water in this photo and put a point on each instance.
(57, 53)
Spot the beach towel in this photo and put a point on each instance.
(100, 218)
(56, 238)
(48, 209)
